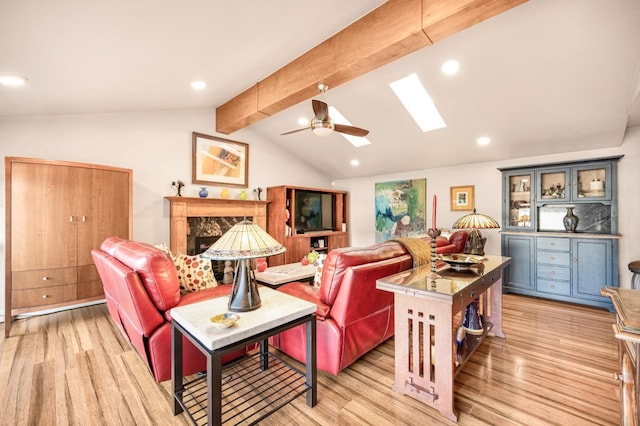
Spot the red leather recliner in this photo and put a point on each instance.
(141, 286)
(353, 316)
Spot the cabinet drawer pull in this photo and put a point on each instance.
(70, 218)
(553, 286)
(553, 272)
(45, 278)
(575, 260)
(552, 244)
(84, 218)
(44, 296)
(553, 258)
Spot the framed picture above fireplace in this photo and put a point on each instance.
(218, 161)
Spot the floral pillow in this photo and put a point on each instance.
(194, 272)
(319, 264)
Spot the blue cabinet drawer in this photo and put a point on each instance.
(555, 287)
(553, 257)
(550, 243)
(554, 272)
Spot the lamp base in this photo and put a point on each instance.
(244, 295)
(475, 243)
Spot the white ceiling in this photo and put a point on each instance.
(545, 77)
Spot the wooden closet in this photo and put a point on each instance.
(56, 212)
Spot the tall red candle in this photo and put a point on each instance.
(433, 215)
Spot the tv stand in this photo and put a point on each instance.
(299, 242)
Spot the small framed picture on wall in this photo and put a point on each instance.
(462, 197)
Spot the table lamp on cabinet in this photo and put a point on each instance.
(243, 242)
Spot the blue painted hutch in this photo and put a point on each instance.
(548, 259)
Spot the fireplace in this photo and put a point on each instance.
(196, 223)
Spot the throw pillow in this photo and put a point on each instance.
(319, 264)
(194, 272)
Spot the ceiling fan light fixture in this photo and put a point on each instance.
(321, 127)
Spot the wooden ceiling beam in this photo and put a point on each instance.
(389, 32)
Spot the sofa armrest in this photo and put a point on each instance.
(309, 293)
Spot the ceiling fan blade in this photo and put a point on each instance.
(294, 131)
(350, 130)
(320, 109)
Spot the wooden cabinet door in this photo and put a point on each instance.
(103, 209)
(595, 265)
(520, 272)
(43, 216)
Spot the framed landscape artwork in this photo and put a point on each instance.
(218, 161)
(400, 209)
(462, 197)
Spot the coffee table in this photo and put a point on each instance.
(426, 316)
(275, 276)
(255, 386)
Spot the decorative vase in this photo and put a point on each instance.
(570, 221)
(224, 193)
(261, 264)
(203, 192)
(243, 195)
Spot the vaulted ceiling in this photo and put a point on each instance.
(542, 77)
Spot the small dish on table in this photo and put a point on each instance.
(461, 261)
(225, 320)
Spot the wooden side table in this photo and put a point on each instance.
(425, 354)
(626, 303)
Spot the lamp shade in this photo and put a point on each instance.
(476, 221)
(245, 240)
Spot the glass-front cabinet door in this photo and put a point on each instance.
(518, 211)
(553, 185)
(593, 182)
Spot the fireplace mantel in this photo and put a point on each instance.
(184, 207)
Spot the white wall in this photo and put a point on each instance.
(488, 196)
(157, 146)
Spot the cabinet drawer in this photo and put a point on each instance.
(43, 278)
(553, 258)
(43, 296)
(555, 287)
(549, 243)
(554, 272)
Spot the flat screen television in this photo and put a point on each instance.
(313, 211)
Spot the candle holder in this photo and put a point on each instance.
(433, 233)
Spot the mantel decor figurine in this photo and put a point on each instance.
(177, 185)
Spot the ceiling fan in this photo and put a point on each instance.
(322, 125)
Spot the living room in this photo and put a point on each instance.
(156, 145)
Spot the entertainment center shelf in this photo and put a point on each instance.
(304, 219)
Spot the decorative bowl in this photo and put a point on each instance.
(461, 261)
(225, 320)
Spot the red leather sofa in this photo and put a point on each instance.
(353, 316)
(141, 286)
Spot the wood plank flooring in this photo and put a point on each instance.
(556, 367)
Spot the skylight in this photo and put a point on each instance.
(417, 101)
(338, 118)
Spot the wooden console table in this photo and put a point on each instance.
(425, 325)
(626, 303)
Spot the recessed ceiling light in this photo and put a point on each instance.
(417, 101)
(451, 67)
(338, 118)
(483, 140)
(198, 85)
(12, 80)
(355, 163)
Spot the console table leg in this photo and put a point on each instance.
(214, 381)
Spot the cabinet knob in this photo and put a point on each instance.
(552, 258)
(45, 278)
(553, 272)
(44, 296)
(575, 260)
(84, 218)
(553, 286)
(552, 244)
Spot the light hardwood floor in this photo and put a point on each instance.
(556, 367)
